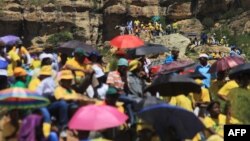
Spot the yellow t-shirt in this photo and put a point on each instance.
(34, 84)
(224, 91)
(13, 58)
(202, 97)
(78, 74)
(218, 124)
(182, 101)
(62, 93)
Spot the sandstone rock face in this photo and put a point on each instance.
(241, 23)
(178, 11)
(190, 26)
(39, 19)
(173, 40)
(207, 7)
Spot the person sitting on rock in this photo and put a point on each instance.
(173, 57)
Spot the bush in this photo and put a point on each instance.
(60, 37)
(208, 22)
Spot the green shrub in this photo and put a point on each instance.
(60, 37)
(208, 22)
(232, 13)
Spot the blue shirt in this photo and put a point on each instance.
(169, 59)
(204, 70)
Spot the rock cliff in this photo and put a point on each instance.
(94, 20)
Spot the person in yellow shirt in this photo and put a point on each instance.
(224, 91)
(216, 121)
(45, 72)
(17, 53)
(80, 70)
(201, 98)
(181, 101)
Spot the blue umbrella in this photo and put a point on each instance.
(172, 121)
(10, 39)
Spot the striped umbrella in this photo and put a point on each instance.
(19, 98)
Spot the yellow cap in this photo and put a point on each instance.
(46, 70)
(198, 81)
(134, 64)
(66, 74)
(19, 71)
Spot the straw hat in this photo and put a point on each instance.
(19, 71)
(46, 70)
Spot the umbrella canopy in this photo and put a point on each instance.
(97, 117)
(147, 101)
(240, 69)
(175, 66)
(172, 85)
(20, 98)
(149, 49)
(195, 75)
(226, 63)
(184, 123)
(10, 39)
(70, 46)
(126, 41)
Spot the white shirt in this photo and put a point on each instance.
(47, 87)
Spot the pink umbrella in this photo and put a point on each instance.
(226, 63)
(97, 117)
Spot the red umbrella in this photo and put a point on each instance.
(126, 41)
(226, 63)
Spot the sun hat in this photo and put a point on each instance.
(19, 71)
(122, 62)
(203, 55)
(46, 55)
(134, 64)
(46, 70)
(66, 74)
(111, 91)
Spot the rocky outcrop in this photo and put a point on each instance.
(209, 7)
(190, 26)
(179, 11)
(174, 40)
(38, 19)
(241, 23)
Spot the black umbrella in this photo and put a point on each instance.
(148, 49)
(195, 75)
(70, 46)
(171, 122)
(147, 101)
(240, 69)
(172, 85)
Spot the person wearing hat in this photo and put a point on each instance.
(173, 57)
(203, 68)
(118, 78)
(20, 77)
(45, 72)
(77, 65)
(65, 98)
(135, 76)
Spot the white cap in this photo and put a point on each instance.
(46, 55)
(203, 55)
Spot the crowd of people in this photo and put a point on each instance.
(80, 79)
(151, 28)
